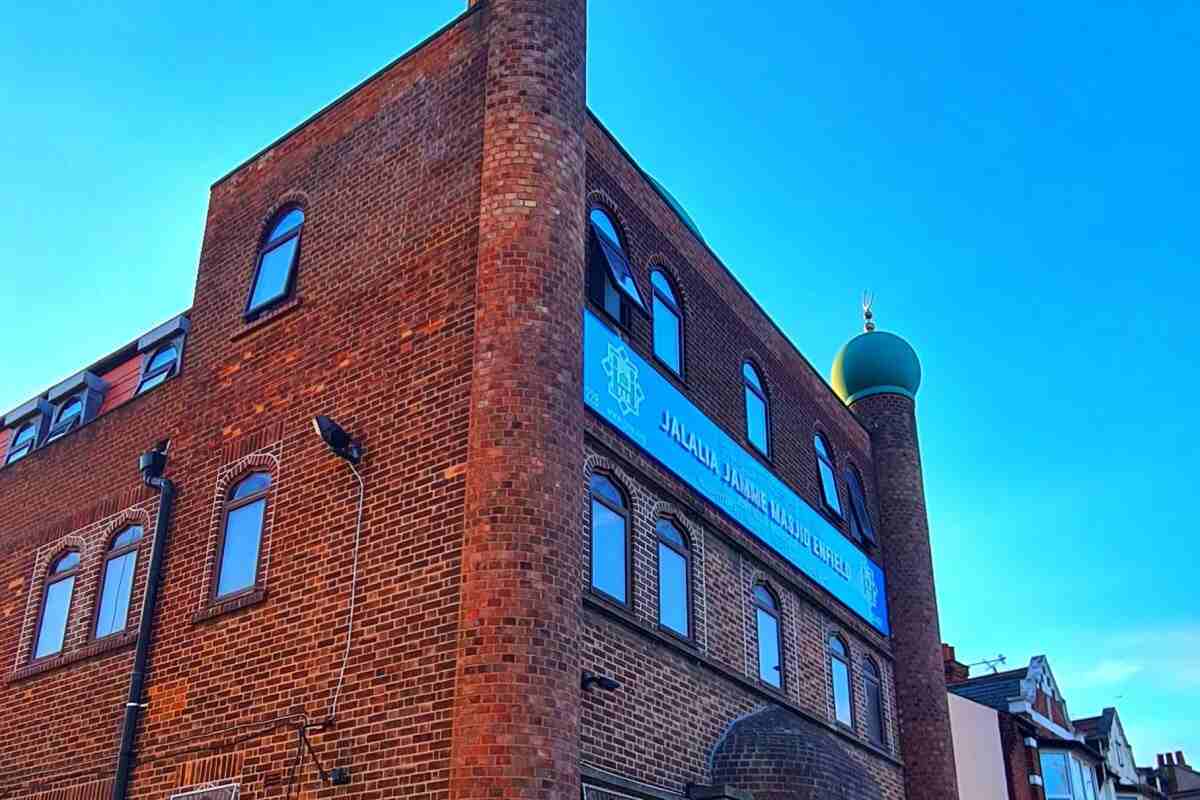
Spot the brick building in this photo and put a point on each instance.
(1015, 724)
(611, 530)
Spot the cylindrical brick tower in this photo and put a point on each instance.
(516, 713)
(877, 375)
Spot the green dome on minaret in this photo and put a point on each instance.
(875, 362)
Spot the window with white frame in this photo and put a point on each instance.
(1067, 777)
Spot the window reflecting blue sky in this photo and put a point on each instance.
(114, 600)
(1017, 185)
(672, 590)
(608, 551)
(769, 668)
(57, 606)
(239, 556)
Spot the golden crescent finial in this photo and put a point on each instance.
(868, 316)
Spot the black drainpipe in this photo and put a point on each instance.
(151, 464)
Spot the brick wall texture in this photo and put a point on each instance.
(436, 315)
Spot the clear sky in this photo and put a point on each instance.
(1018, 186)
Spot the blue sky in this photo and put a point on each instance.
(1017, 185)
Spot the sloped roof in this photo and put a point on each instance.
(1096, 727)
(993, 691)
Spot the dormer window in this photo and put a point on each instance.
(158, 368)
(69, 415)
(610, 282)
(22, 444)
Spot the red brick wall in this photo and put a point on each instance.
(380, 337)
(925, 737)
(516, 715)
(696, 690)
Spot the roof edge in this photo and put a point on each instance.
(703, 243)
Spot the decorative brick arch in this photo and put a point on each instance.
(91, 542)
(269, 460)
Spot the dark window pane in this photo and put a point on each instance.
(239, 556)
(870, 670)
(660, 282)
(829, 486)
(874, 712)
(667, 530)
(608, 551)
(290, 221)
(612, 299)
(253, 484)
(127, 537)
(603, 487)
(672, 590)
(114, 600)
(764, 596)
(53, 629)
(666, 335)
(841, 692)
(68, 561)
(273, 272)
(756, 421)
(769, 668)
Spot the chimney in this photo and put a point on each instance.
(1161, 762)
(1170, 760)
(956, 671)
(1179, 758)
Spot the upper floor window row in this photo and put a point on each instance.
(611, 287)
(111, 614)
(131, 371)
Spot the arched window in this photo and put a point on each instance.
(120, 564)
(757, 412)
(874, 697)
(70, 414)
(861, 527)
(668, 323)
(241, 535)
(674, 585)
(277, 259)
(22, 443)
(829, 492)
(610, 283)
(770, 652)
(56, 605)
(839, 673)
(158, 368)
(610, 539)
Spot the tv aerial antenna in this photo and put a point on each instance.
(991, 663)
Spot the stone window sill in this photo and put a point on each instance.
(230, 606)
(92, 649)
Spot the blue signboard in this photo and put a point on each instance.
(635, 398)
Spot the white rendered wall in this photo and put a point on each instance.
(978, 756)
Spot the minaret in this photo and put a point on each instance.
(877, 375)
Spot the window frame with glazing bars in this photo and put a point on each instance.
(760, 391)
(111, 554)
(683, 549)
(26, 447)
(228, 506)
(872, 675)
(51, 578)
(58, 429)
(625, 512)
(667, 298)
(846, 661)
(267, 246)
(149, 373)
(824, 456)
(775, 611)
